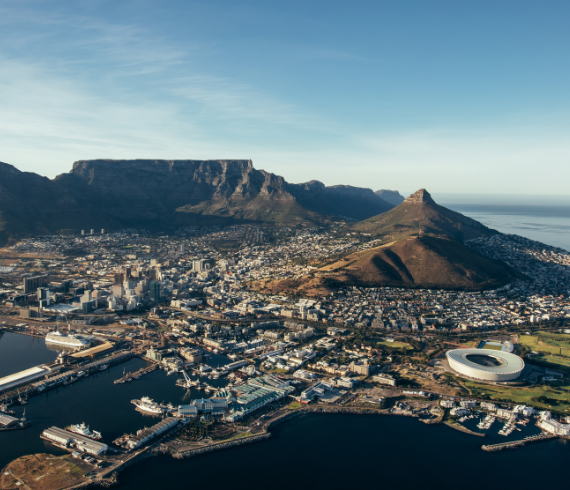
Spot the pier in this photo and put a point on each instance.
(136, 375)
(518, 443)
(58, 374)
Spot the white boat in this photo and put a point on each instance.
(84, 430)
(63, 339)
(146, 404)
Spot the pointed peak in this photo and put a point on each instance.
(419, 197)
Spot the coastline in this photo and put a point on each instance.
(110, 478)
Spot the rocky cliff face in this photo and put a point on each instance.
(149, 193)
(419, 197)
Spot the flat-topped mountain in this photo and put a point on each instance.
(421, 246)
(115, 194)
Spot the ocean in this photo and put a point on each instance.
(545, 219)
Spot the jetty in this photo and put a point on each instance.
(136, 374)
(519, 443)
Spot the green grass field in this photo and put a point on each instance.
(558, 401)
(492, 347)
(395, 345)
(546, 345)
(561, 361)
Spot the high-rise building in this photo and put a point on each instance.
(43, 297)
(82, 232)
(154, 291)
(33, 283)
(92, 231)
(119, 278)
(118, 290)
(66, 285)
(102, 231)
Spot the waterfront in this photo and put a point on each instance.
(20, 352)
(95, 400)
(335, 451)
(348, 451)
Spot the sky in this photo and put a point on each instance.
(452, 96)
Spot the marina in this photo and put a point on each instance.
(125, 429)
(128, 377)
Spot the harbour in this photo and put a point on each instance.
(108, 407)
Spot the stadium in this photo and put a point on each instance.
(485, 365)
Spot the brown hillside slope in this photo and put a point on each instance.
(419, 214)
(419, 262)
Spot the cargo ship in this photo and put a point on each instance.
(63, 339)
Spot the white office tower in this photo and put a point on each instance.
(92, 231)
(112, 303)
(86, 297)
(102, 231)
(82, 232)
(198, 265)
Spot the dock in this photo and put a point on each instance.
(519, 443)
(136, 375)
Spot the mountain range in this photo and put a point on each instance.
(153, 194)
(419, 244)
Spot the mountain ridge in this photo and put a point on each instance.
(107, 193)
(421, 247)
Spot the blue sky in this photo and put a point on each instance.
(452, 96)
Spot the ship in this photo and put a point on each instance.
(64, 339)
(146, 404)
(84, 430)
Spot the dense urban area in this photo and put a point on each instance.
(177, 300)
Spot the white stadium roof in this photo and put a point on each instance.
(485, 364)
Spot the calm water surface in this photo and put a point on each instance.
(545, 220)
(95, 400)
(351, 451)
(316, 451)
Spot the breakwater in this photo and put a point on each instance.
(519, 443)
(464, 429)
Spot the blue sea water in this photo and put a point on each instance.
(542, 218)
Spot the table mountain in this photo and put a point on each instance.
(115, 194)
